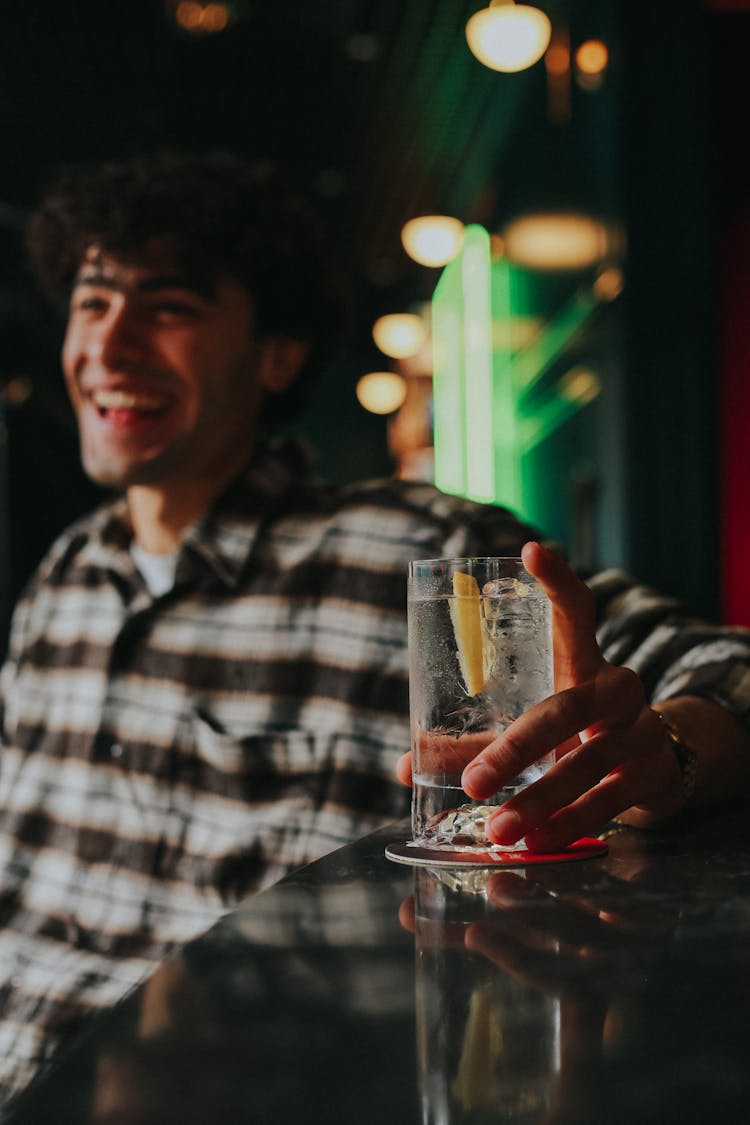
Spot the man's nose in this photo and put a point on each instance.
(119, 339)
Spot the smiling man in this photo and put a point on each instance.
(167, 376)
(208, 679)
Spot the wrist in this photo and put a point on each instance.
(686, 757)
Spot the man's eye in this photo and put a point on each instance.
(180, 309)
(92, 304)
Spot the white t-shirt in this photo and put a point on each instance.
(158, 570)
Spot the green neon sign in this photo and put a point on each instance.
(491, 404)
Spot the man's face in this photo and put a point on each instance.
(163, 373)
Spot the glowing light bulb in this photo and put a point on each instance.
(381, 392)
(556, 241)
(592, 57)
(399, 334)
(507, 36)
(432, 240)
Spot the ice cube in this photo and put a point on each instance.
(501, 587)
(498, 587)
(464, 825)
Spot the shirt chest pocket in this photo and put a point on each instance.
(261, 765)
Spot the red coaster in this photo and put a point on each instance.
(585, 848)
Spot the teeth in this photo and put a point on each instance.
(124, 400)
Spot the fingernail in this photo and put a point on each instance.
(505, 827)
(481, 778)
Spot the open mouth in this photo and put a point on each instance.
(117, 404)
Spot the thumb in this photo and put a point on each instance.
(577, 655)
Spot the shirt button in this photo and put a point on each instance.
(115, 750)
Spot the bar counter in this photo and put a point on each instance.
(357, 990)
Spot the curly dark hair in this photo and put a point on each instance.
(216, 214)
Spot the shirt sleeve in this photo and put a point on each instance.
(673, 652)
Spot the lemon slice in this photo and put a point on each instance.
(473, 1086)
(466, 616)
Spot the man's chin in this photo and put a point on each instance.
(122, 475)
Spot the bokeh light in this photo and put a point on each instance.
(432, 240)
(381, 392)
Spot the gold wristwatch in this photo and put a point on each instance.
(687, 759)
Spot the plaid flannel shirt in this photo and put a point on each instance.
(164, 757)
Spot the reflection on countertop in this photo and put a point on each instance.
(356, 990)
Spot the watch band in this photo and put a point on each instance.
(687, 759)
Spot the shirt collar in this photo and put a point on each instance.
(225, 537)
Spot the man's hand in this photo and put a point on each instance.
(613, 752)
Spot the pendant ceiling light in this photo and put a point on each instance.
(381, 392)
(432, 240)
(508, 36)
(558, 241)
(399, 335)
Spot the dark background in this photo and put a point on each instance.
(381, 113)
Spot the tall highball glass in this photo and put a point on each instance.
(480, 654)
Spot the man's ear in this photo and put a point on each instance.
(281, 360)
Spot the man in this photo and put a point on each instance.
(208, 679)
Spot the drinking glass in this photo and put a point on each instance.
(480, 654)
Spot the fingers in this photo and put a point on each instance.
(614, 699)
(577, 655)
(441, 754)
(549, 822)
(444, 753)
(403, 769)
(606, 774)
(585, 816)
(571, 777)
(407, 915)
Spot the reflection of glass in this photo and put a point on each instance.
(480, 654)
(488, 1045)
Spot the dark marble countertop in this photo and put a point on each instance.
(359, 991)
